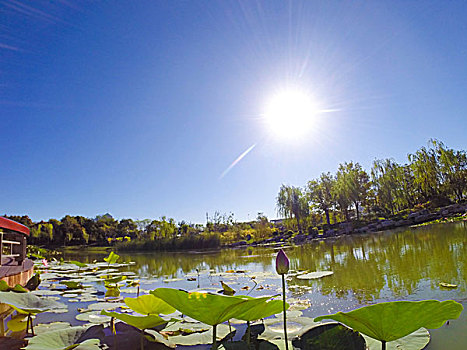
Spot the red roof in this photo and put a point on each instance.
(13, 226)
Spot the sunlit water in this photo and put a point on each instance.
(406, 264)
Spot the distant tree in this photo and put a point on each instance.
(352, 184)
(291, 202)
(320, 193)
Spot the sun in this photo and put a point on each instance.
(290, 114)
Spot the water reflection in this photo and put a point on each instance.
(400, 264)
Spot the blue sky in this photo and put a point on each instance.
(137, 108)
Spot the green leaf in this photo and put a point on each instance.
(112, 292)
(19, 289)
(17, 323)
(29, 303)
(394, 320)
(255, 311)
(62, 339)
(414, 341)
(149, 305)
(226, 289)
(112, 258)
(4, 287)
(200, 338)
(329, 336)
(115, 279)
(72, 284)
(77, 263)
(208, 308)
(141, 322)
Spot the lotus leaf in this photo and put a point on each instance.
(17, 323)
(47, 327)
(200, 338)
(19, 289)
(393, 320)
(209, 308)
(149, 305)
(4, 287)
(112, 258)
(115, 279)
(112, 292)
(260, 310)
(105, 306)
(72, 284)
(141, 322)
(329, 336)
(414, 341)
(63, 339)
(29, 303)
(314, 275)
(77, 263)
(159, 338)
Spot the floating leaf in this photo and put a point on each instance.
(329, 336)
(77, 263)
(19, 289)
(72, 284)
(29, 303)
(4, 287)
(390, 321)
(17, 323)
(314, 275)
(149, 305)
(48, 327)
(201, 338)
(141, 322)
(63, 339)
(414, 341)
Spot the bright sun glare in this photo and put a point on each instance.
(290, 114)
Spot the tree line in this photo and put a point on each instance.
(163, 233)
(434, 176)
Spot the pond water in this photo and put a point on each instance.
(405, 264)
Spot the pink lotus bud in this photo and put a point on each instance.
(282, 263)
(46, 264)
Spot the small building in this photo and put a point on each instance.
(15, 267)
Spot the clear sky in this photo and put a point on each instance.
(140, 108)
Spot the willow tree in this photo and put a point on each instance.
(352, 184)
(320, 193)
(291, 203)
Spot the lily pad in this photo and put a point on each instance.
(141, 322)
(63, 339)
(29, 303)
(213, 309)
(202, 337)
(390, 321)
(149, 305)
(414, 341)
(314, 275)
(329, 336)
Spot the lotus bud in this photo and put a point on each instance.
(282, 263)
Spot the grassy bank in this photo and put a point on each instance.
(205, 241)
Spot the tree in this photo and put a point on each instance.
(291, 202)
(352, 184)
(320, 193)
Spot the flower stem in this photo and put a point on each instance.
(214, 337)
(285, 316)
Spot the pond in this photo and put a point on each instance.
(405, 264)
